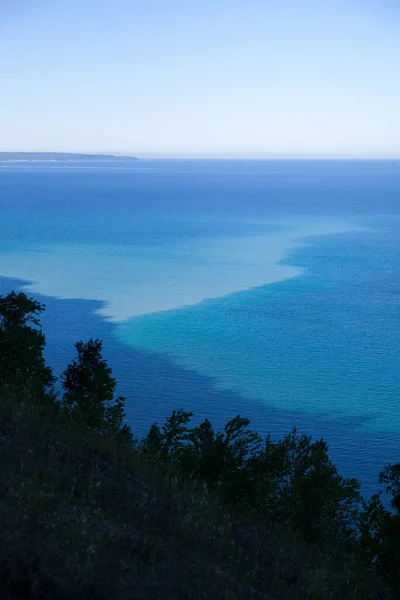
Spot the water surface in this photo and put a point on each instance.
(269, 288)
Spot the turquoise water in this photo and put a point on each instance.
(324, 342)
(268, 288)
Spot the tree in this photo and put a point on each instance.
(21, 346)
(296, 484)
(389, 555)
(291, 482)
(391, 477)
(89, 392)
(152, 446)
(372, 523)
(167, 445)
(222, 458)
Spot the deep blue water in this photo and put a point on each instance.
(265, 288)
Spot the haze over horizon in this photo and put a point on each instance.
(187, 80)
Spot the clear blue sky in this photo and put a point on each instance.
(194, 78)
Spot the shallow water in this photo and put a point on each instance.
(269, 289)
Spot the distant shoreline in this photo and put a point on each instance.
(61, 161)
(34, 157)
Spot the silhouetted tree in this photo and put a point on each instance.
(391, 477)
(296, 483)
(152, 446)
(372, 523)
(389, 550)
(89, 391)
(21, 347)
(291, 482)
(166, 445)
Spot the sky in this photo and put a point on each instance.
(189, 78)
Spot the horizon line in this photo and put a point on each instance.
(204, 156)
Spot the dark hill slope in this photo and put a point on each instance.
(81, 519)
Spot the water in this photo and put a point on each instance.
(265, 288)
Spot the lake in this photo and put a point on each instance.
(265, 288)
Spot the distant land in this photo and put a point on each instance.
(58, 157)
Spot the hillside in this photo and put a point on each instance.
(88, 511)
(82, 520)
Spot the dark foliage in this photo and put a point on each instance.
(21, 346)
(291, 482)
(89, 392)
(189, 512)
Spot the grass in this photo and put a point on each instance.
(82, 519)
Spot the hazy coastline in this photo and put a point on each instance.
(34, 157)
